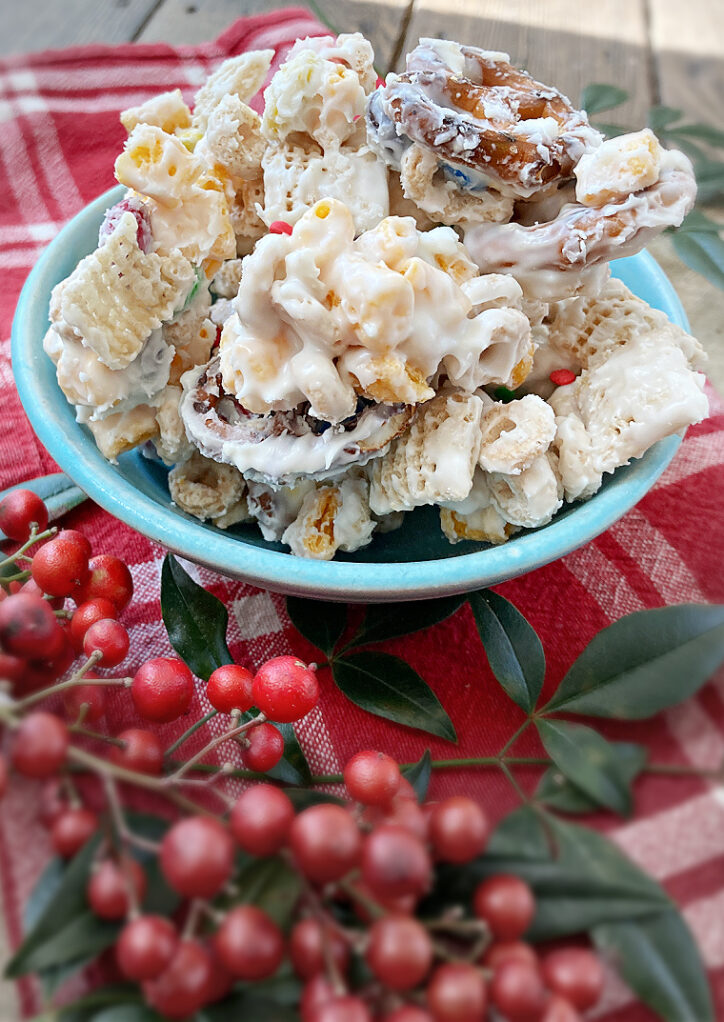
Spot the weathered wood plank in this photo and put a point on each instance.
(567, 43)
(39, 24)
(181, 21)
(688, 51)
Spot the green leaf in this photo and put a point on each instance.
(709, 182)
(658, 958)
(303, 798)
(270, 884)
(57, 491)
(389, 621)
(514, 651)
(195, 620)
(610, 130)
(660, 117)
(644, 662)
(702, 252)
(293, 769)
(704, 132)
(388, 687)
(128, 1013)
(83, 937)
(320, 623)
(558, 792)
(249, 1005)
(67, 903)
(697, 222)
(419, 775)
(597, 97)
(587, 759)
(46, 887)
(519, 835)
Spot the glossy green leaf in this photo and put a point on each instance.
(709, 181)
(391, 620)
(46, 887)
(419, 775)
(588, 760)
(388, 687)
(658, 958)
(702, 252)
(136, 1012)
(84, 936)
(320, 623)
(610, 130)
(293, 769)
(66, 903)
(270, 884)
(519, 835)
(303, 798)
(195, 620)
(644, 662)
(513, 649)
(58, 492)
(660, 117)
(704, 132)
(558, 792)
(53, 978)
(696, 221)
(247, 1005)
(598, 97)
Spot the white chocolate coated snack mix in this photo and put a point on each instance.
(376, 295)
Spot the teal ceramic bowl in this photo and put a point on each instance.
(414, 562)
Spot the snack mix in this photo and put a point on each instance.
(375, 296)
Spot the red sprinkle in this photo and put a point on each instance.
(380, 81)
(561, 377)
(280, 227)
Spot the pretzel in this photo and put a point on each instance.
(331, 518)
(630, 396)
(274, 509)
(569, 255)
(281, 447)
(434, 461)
(240, 76)
(205, 489)
(118, 295)
(167, 111)
(513, 435)
(490, 123)
(530, 498)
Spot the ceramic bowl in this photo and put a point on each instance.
(415, 562)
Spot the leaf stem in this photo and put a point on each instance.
(78, 729)
(514, 737)
(514, 784)
(190, 731)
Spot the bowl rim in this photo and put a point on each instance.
(369, 581)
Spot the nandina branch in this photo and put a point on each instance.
(33, 538)
(234, 732)
(190, 731)
(78, 678)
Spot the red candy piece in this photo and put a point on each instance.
(561, 377)
(280, 227)
(379, 82)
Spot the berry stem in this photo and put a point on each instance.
(34, 537)
(78, 729)
(77, 679)
(514, 737)
(514, 784)
(374, 909)
(190, 731)
(234, 732)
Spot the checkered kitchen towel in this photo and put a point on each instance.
(59, 134)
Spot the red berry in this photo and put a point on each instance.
(197, 856)
(52, 802)
(459, 829)
(558, 1009)
(31, 586)
(326, 842)
(71, 829)
(456, 993)
(110, 578)
(60, 568)
(143, 752)
(11, 667)
(146, 947)
(40, 744)
(263, 749)
(379, 82)
(86, 615)
(249, 944)
(280, 227)
(55, 664)
(409, 1013)
(111, 638)
(285, 689)
(316, 992)
(395, 862)
(28, 626)
(562, 377)
(404, 905)
(576, 974)
(108, 887)
(78, 539)
(399, 952)
(229, 688)
(93, 697)
(221, 980)
(343, 1009)
(3, 776)
(372, 778)
(507, 905)
(18, 510)
(506, 951)
(307, 943)
(183, 988)
(517, 990)
(261, 819)
(162, 689)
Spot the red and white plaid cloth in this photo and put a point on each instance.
(59, 134)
